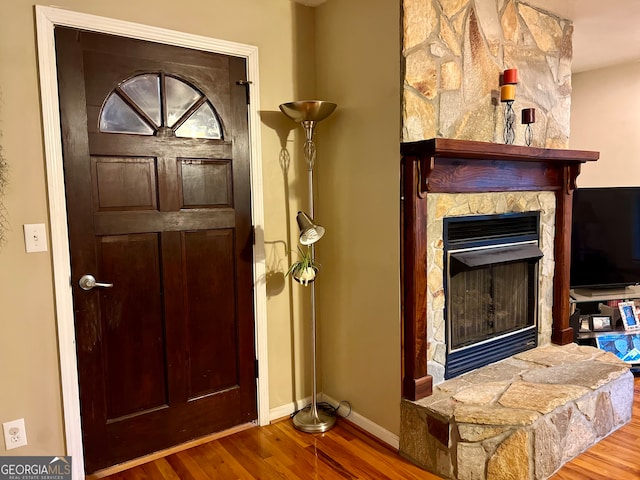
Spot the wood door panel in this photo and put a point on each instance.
(211, 317)
(107, 144)
(168, 353)
(107, 223)
(135, 63)
(141, 49)
(155, 430)
(206, 183)
(132, 324)
(124, 183)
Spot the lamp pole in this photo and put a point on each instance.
(309, 113)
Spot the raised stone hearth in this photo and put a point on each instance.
(521, 418)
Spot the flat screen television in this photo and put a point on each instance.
(605, 238)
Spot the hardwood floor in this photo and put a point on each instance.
(278, 451)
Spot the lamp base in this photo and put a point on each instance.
(313, 422)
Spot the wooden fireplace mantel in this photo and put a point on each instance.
(443, 165)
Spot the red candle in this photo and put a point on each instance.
(510, 76)
(507, 93)
(528, 116)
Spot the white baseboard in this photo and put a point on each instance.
(367, 425)
(286, 410)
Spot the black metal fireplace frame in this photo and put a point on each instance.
(511, 237)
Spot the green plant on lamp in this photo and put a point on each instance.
(305, 269)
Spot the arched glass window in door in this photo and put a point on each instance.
(162, 105)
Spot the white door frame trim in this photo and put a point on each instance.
(47, 18)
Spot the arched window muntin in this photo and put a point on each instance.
(156, 103)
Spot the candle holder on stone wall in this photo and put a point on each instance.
(528, 117)
(509, 120)
(508, 82)
(528, 135)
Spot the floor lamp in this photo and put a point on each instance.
(309, 113)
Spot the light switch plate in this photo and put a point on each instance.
(35, 237)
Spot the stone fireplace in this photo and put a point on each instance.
(444, 178)
(526, 415)
(486, 234)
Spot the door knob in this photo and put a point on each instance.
(87, 282)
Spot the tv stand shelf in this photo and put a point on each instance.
(588, 337)
(582, 335)
(604, 295)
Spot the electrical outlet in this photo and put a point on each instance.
(15, 434)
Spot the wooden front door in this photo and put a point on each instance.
(156, 162)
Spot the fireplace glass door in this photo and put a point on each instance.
(490, 301)
(491, 288)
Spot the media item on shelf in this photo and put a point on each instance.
(611, 309)
(585, 323)
(629, 316)
(625, 346)
(600, 323)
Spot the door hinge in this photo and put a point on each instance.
(257, 370)
(253, 235)
(246, 84)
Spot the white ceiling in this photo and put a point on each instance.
(605, 32)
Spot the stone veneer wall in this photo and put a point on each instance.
(440, 205)
(454, 52)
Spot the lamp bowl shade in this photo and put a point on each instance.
(308, 110)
